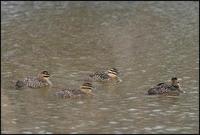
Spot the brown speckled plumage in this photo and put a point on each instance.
(105, 75)
(76, 93)
(166, 89)
(34, 82)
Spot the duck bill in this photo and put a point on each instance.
(180, 89)
(119, 79)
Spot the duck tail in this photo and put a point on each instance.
(19, 84)
(91, 75)
(151, 91)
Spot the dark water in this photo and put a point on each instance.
(148, 42)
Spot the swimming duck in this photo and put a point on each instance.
(85, 90)
(41, 80)
(111, 74)
(166, 89)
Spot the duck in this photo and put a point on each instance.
(41, 80)
(111, 74)
(172, 89)
(85, 90)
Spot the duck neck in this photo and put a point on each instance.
(49, 82)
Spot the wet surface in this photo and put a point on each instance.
(149, 42)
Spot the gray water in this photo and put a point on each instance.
(149, 42)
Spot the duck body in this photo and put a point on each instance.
(85, 90)
(70, 93)
(100, 76)
(164, 89)
(42, 80)
(108, 75)
(31, 82)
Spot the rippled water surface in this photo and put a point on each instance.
(148, 42)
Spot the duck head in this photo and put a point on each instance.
(44, 75)
(176, 84)
(113, 74)
(87, 88)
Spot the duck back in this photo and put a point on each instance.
(31, 82)
(99, 76)
(164, 89)
(158, 89)
(70, 93)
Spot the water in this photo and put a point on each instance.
(149, 42)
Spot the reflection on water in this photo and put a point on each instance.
(148, 42)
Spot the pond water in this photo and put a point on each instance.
(148, 42)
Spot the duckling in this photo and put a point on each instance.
(41, 80)
(173, 89)
(85, 90)
(111, 74)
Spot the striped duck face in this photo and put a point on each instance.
(44, 75)
(113, 73)
(87, 88)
